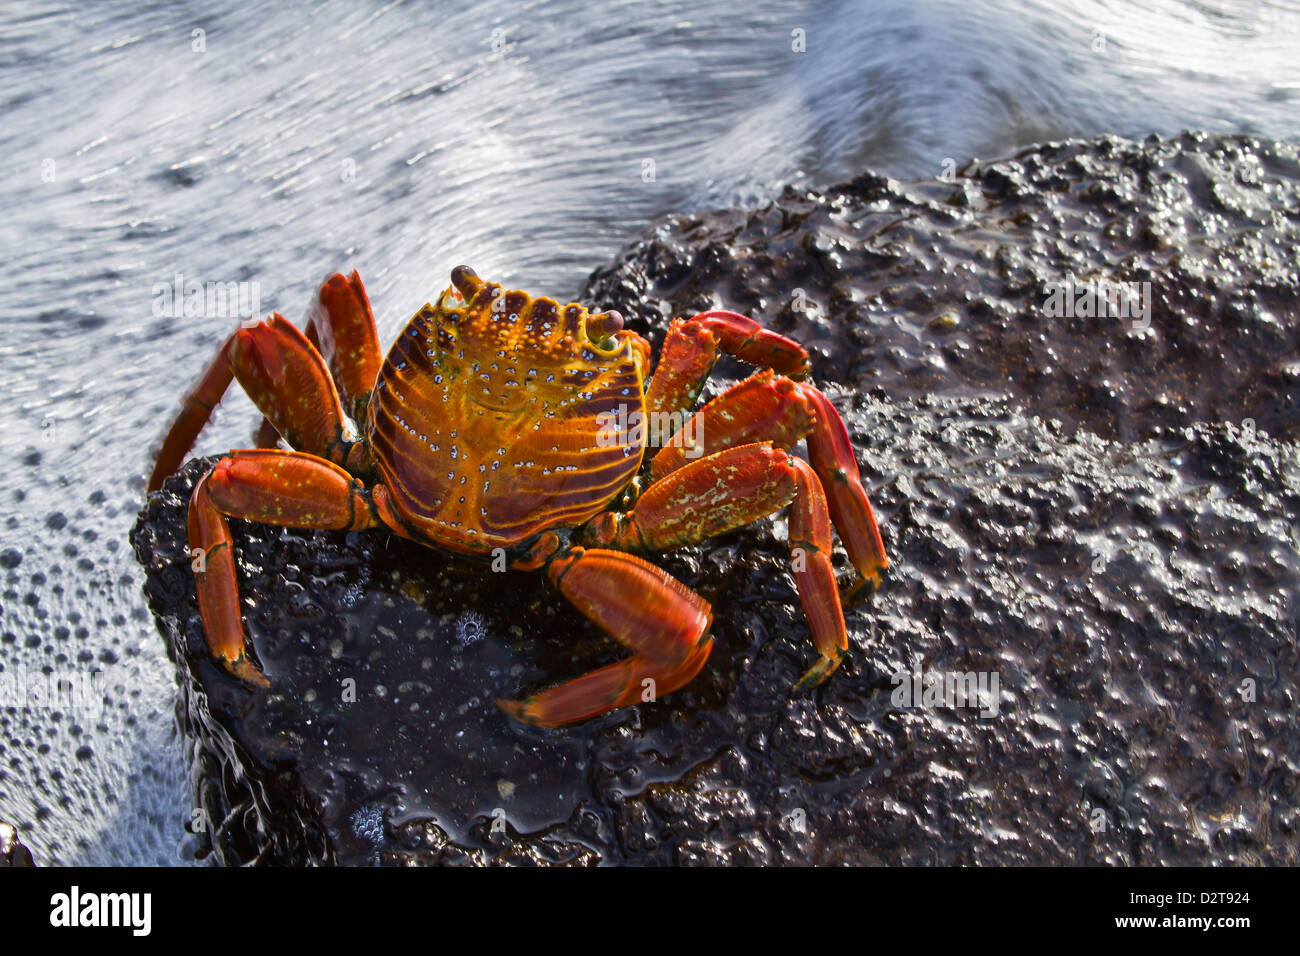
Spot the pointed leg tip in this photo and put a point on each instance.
(862, 587)
(520, 710)
(246, 670)
(824, 668)
(335, 282)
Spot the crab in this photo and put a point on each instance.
(522, 434)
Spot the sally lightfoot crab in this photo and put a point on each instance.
(506, 427)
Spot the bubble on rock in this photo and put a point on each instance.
(470, 627)
(368, 823)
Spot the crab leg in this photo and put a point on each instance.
(711, 496)
(687, 506)
(691, 350)
(265, 435)
(748, 341)
(287, 380)
(773, 408)
(688, 356)
(662, 621)
(342, 327)
(810, 559)
(832, 458)
(764, 407)
(274, 487)
(194, 414)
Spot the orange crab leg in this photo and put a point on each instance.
(342, 327)
(748, 341)
(648, 610)
(275, 487)
(195, 411)
(773, 408)
(287, 380)
(764, 407)
(708, 497)
(758, 479)
(832, 458)
(810, 559)
(685, 361)
(266, 435)
(691, 349)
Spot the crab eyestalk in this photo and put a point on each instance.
(603, 325)
(466, 281)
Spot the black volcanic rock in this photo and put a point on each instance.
(1102, 517)
(935, 287)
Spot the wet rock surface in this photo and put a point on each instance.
(932, 286)
(1100, 516)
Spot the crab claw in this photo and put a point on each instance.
(664, 623)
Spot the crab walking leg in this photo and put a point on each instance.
(646, 609)
(832, 458)
(266, 435)
(688, 355)
(708, 497)
(342, 327)
(274, 487)
(764, 407)
(772, 408)
(688, 506)
(691, 349)
(810, 559)
(194, 414)
(287, 380)
(748, 341)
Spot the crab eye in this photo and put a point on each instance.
(466, 280)
(602, 325)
